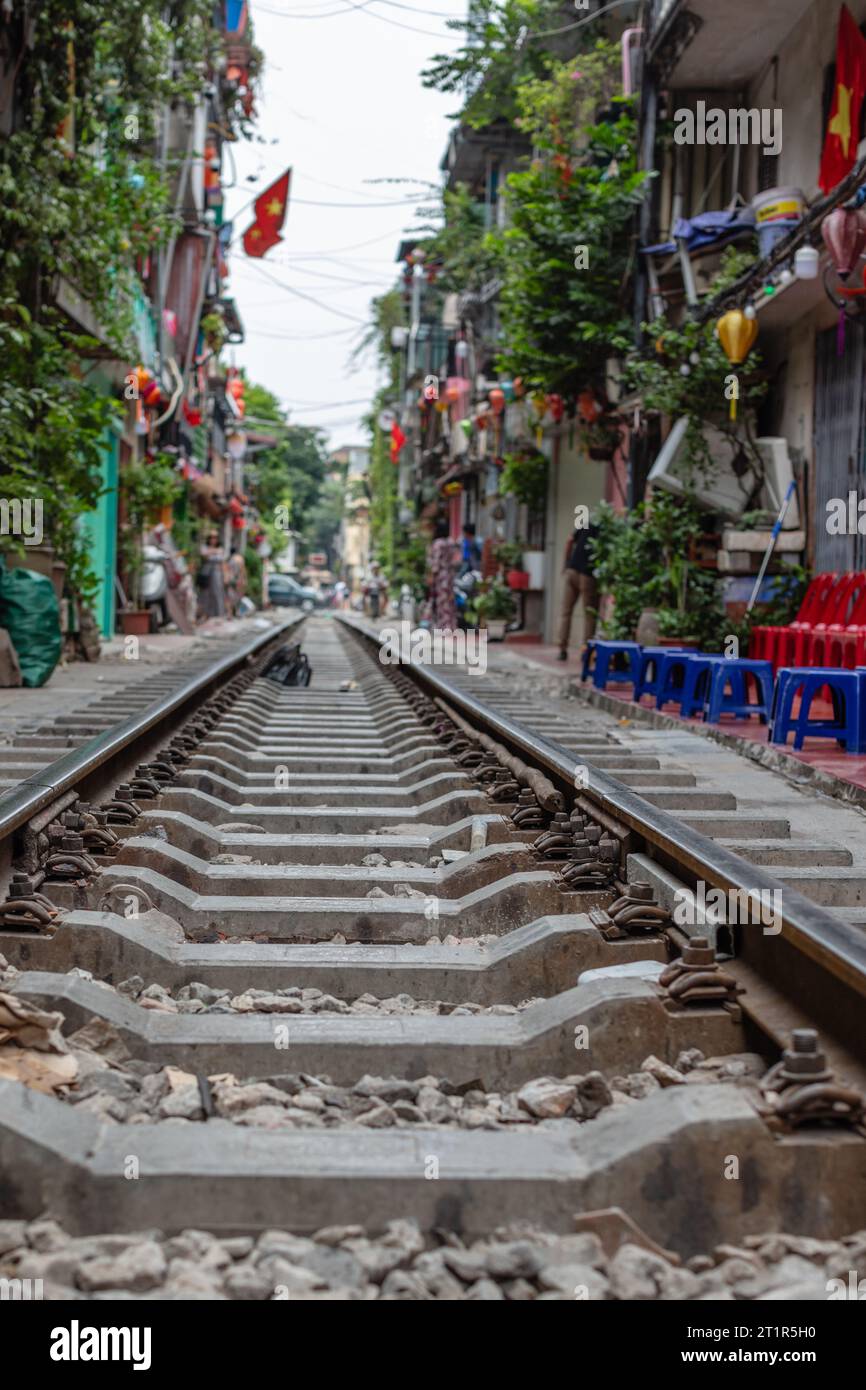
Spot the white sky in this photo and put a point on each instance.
(341, 102)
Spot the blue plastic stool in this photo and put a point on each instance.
(605, 652)
(848, 695)
(650, 660)
(681, 680)
(733, 671)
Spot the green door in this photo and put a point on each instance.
(99, 529)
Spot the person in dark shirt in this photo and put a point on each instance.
(578, 583)
(470, 553)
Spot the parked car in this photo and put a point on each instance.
(286, 592)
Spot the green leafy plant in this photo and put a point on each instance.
(509, 555)
(524, 476)
(684, 372)
(79, 211)
(253, 563)
(567, 255)
(493, 58)
(494, 602)
(145, 488)
(213, 327)
(641, 561)
(789, 590)
(602, 438)
(53, 428)
(287, 478)
(462, 245)
(409, 566)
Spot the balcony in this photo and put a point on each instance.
(706, 45)
(469, 154)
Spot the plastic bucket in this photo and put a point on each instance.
(779, 204)
(533, 563)
(769, 233)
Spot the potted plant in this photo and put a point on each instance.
(214, 330)
(509, 557)
(641, 562)
(602, 440)
(145, 488)
(494, 609)
(524, 476)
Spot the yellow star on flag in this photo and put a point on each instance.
(255, 233)
(274, 207)
(841, 122)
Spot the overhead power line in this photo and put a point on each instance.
(300, 295)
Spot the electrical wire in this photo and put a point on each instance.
(579, 23)
(355, 280)
(353, 318)
(395, 4)
(328, 405)
(332, 14)
(284, 14)
(342, 288)
(399, 203)
(301, 337)
(341, 187)
(356, 246)
(454, 18)
(336, 424)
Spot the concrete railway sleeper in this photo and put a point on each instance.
(354, 990)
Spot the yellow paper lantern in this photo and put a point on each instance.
(539, 403)
(737, 335)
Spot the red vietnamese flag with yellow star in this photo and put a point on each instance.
(840, 142)
(270, 209)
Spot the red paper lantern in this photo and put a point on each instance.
(211, 176)
(844, 231)
(588, 407)
(556, 406)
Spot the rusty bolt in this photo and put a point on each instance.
(641, 891)
(804, 1060)
(698, 954)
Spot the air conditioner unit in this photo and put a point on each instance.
(779, 474)
(720, 487)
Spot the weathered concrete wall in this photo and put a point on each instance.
(574, 478)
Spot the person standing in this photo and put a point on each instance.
(236, 581)
(578, 583)
(375, 590)
(444, 560)
(470, 550)
(210, 580)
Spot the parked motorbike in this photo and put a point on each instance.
(154, 585)
(465, 589)
(162, 570)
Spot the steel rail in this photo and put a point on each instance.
(32, 795)
(837, 947)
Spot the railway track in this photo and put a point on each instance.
(371, 989)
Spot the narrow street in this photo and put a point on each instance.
(432, 670)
